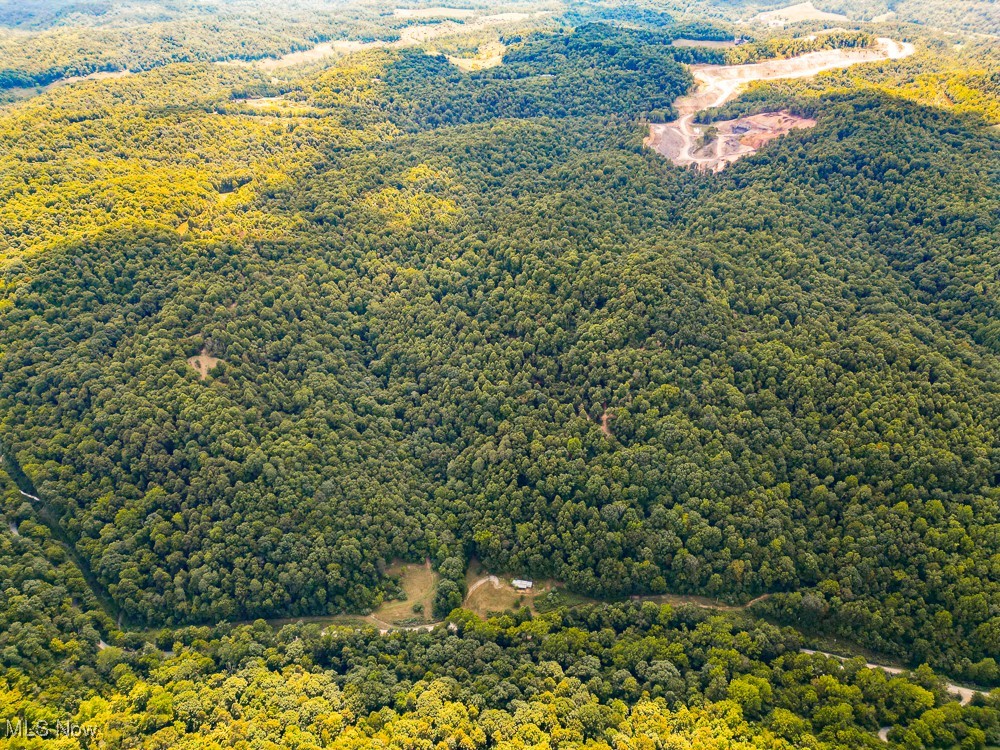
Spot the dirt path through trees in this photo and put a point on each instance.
(49, 518)
(964, 694)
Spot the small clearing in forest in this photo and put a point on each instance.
(715, 43)
(203, 363)
(796, 13)
(488, 56)
(419, 582)
(730, 140)
(435, 12)
(605, 418)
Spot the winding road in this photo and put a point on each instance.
(489, 579)
(718, 84)
(50, 518)
(964, 694)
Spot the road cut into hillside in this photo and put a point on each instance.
(686, 143)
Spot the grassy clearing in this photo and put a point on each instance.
(419, 582)
(489, 594)
(796, 13)
(488, 55)
(491, 598)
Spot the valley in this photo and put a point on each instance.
(445, 377)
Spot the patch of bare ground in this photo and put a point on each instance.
(436, 12)
(606, 417)
(681, 140)
(703, 43)
(666, 139)
(735, 139)
(203, 363)
(796, 13)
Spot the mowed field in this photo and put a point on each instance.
(419, 583)
(488, 594)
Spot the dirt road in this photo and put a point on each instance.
(718, 84)
(964, 694)
(489, 579)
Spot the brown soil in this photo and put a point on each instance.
(747, 135)
(766, 127)
(718, 84)
(702, 43)
(605, 418)
(203, 363)
(666, 139)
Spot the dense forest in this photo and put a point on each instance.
(421, 363)
(592, 675)
(597, 677)
(264, 335)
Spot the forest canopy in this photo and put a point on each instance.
(269, 333)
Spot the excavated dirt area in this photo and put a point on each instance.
(680, 140)
(746, 135)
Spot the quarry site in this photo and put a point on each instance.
(713, 147)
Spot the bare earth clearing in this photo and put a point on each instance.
(795, 13)
(734, 139)
(203, 363)
(718, 84)
(702, 43)
(411, 36)
(606, 417)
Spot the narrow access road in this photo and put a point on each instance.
(718, 84)
(964, 694)
(49, 518)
